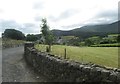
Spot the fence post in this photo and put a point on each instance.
(65, 55)
(47, 49)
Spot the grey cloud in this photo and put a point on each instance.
(27, 30)
(104, 17)
(66, 14)
(109, 16)
(52, 18)
(1, 11)
(110, 13)
(119, 10)
(11, 24)
(28, 25)
(38, 5)
(38, 18)
(8, 24)
(72, 26)
(100, 21)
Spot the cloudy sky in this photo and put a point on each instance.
(25, 15)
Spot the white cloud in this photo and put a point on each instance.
(60, 13)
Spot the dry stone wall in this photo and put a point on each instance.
(61, 70)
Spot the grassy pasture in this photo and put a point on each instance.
(105, 56)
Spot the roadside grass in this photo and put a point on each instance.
(10, 42)
(105, 56)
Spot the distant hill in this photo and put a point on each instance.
(90, 30)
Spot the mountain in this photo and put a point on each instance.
(90, 30)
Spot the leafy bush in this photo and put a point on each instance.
(31, 37)
(88, 42)
(82, 43)
(107, 45)
(13, 34)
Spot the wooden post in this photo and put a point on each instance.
(65, 54)
(47, 49)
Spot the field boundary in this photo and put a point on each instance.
(62, 70)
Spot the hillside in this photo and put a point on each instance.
(90, 30)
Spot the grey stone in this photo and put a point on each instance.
(118, 70)
(112, 77)
(105, 73)
(60, 69)
(115, 69)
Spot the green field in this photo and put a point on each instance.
(105, 56)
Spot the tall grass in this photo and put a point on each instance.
(6, 43)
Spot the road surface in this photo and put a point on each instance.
(0, 63)
(15, 69)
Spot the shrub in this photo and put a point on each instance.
(106, 45)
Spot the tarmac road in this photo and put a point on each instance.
(15, 69)
(0, 63)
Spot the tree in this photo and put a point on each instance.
(13, 34)
(46, 33)
(88, 42)
(95, 39)
(118, 38)
(31, 37)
